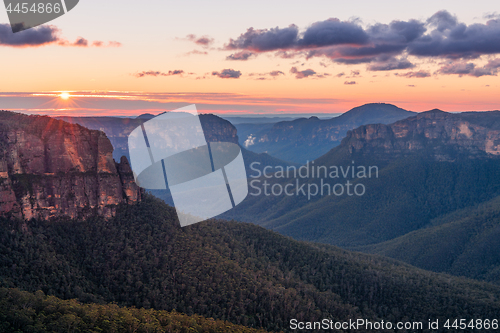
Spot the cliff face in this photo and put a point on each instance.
(440, 134)
(51, 168)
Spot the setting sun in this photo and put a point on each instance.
(64, 95)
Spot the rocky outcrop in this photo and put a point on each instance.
(51, 168)
(217, 129)
(443, 135)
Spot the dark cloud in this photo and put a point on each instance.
(271, 74)
(324, 75)
(242, 55)
(333, 32)
(417, 74)
(410, 30)
(289, 54)
(82, 42)
(227, 74)
(457, 40)
(158, 73)
(461, 68)
(203, 40)
(302, 74)
(276, 73)
(346, 42)
(38, 36)
(492, 16)
(390, 64)
(350, 82)
(265, 39)
(41, 36)
(340, 74)
(442, 21)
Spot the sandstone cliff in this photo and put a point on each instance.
(52, 168)
(443, 135)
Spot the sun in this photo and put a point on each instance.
(64, 95)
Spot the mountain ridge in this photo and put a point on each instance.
(306, 139)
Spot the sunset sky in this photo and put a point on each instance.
(270, 57)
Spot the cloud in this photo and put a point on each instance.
(380, 45)
(196, 52)
(276, 73)
(158, 73)
(462, 68)
(324, 75)
(455, 40)
(227, 74)
(82, 42)
(302, 74)
(204, 41)
(390, 64)
(39, 36)
(265, 39)
(272, 74)
(333, 32)
(242, 55)
(491, 16)
(340, 74)
(114, 44)
(417, 74)
(288, 54)
(43, 35)
(442, 20)
(350, 82)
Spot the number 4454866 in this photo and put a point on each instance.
(35, 8)
(478, 324)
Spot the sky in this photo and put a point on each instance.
(261, 57)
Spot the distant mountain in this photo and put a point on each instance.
(429, 165)
(51, 168)
(146, 116)
(306, 139)
(224, 270)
